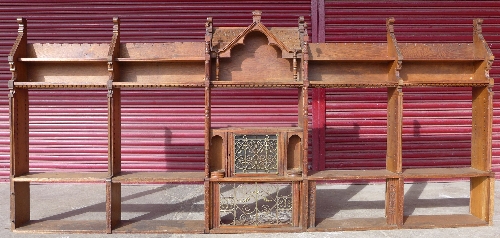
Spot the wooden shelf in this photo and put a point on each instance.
(444, 173)
(356, 52)
(160, 60)
(159, 85)
(257, 179)
(350, 175)
(63, 226)
(160, 226)
(438, 52)
(441, 221)
(352, 224)
(62, 177)
(64, 60)
(254, 229)
(159, 177)
(57, 85)
(322, 84)
(256, 129)
(235, 84)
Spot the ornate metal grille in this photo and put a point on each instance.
(255, 204)
(255, 154)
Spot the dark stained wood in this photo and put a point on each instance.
(62, 177)
(444, 173)
(326, 175)
(157, 177)
(159, 226)
(439, 221)
(63, 226)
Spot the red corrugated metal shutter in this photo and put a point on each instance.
(437, 122)
(162, 129)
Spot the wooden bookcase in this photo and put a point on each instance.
(264, 160)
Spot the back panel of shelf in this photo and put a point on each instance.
(437, 125)
(68, 131)
(162, 129)
(353, 140)
(254, 107)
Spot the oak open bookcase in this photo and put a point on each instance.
(270, 163)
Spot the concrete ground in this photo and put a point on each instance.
(171, 202)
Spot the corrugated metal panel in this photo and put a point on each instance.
(437, 121)
(162, 129)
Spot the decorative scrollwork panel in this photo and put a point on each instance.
(255, 154)
(255, 204)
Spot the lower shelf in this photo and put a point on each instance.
(442, 221)
(352, 224)
(63, 226)
(255, 229)
(160, 226)
(159, 177)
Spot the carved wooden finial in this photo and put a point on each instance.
(22, 24)
(208, 25)
(116, 24)
(478, 25)
(302, 24)
(390, 24)
(257, 16)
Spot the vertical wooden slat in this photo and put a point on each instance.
(113, 205)
(19, 203)
(312, 203)
(394, 129)
(394, 195)
(481, 203)
(296, 203)
(482, 110)
(114, 103)
(304, 204)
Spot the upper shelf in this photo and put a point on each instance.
(438, 52)
(253, 56)
(349, 52)
(162, 52)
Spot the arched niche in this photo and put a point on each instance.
(256, 61)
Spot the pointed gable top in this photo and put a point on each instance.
(285, 38)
